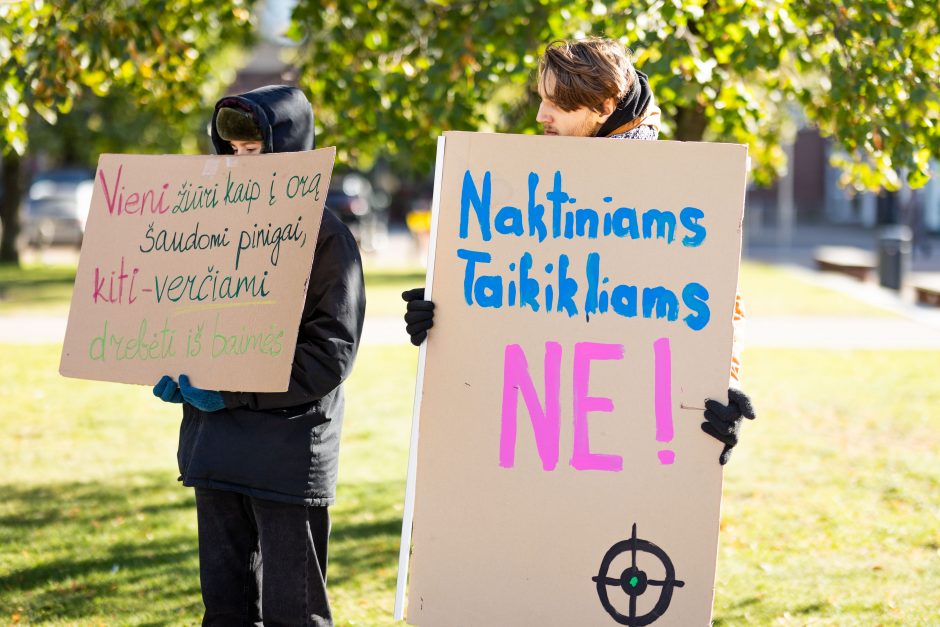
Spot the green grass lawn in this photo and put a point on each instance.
(385, 286)
(831, 513)
(773, 291)
(95, 529)
(36, 288)
(832, 504)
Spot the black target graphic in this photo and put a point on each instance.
(634, 581)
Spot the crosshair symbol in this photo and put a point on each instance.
(634, 582)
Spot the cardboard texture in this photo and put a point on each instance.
(561, 467)
(196, 265)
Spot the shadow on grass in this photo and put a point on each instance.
(366, 531)
(76, 504)
(738, 613)
(127, 548)
(76, 550)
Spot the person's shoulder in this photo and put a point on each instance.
(334, 231)
(331, 226)
(644, 131)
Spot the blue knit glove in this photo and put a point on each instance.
(206, 400)
(167, 390)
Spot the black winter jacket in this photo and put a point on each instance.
(284, 446)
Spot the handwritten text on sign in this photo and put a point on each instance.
(196, 265)
(560, 291)
(583, 294)
(564, 290)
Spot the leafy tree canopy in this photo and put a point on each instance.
(162, 52)
(387, 76)
(137, 71)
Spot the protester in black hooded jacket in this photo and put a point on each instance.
(264, 465)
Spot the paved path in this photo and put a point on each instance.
(778, 332)
(32, 329)
(840, 333)
(915, 327)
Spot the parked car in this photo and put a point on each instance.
(56, 207)
(348, 197)
(354, 201)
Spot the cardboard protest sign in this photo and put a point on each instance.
(584, 291)
(196, 265)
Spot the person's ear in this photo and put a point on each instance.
(610, 105)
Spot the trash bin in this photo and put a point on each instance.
(894, 255)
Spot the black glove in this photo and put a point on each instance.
(723, 422)
(419, 316)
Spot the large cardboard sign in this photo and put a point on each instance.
(196, 265)
(584, 292)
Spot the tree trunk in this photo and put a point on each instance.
(690, 123)
(10, 207)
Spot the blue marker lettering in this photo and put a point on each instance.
(557, 197)
(480, 203)
(536, 210)
(689, 218)
(665, 222)
(528, 287)
(471, 257)
(567, 288)
(695, 297)
(664, 301)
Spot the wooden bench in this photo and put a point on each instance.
(927, 291)
(855, 262)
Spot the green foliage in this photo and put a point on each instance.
(390, 76)
(870, 72)
(714, 67)
(118, 123)
(161, 53)
(131, 72)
